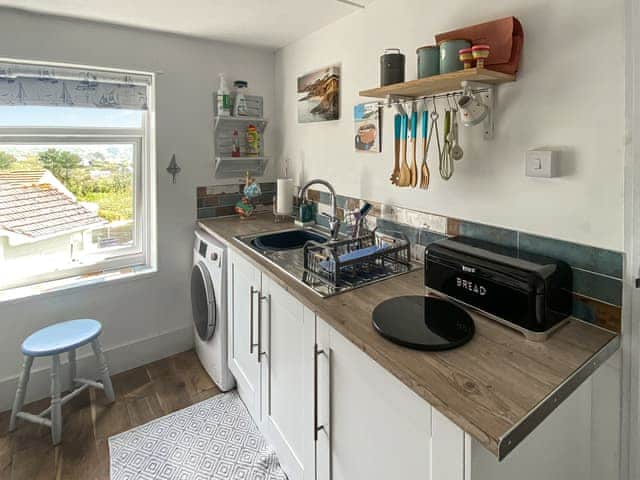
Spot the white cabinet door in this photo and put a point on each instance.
(287, 378)
(378, 429)
(244, 289)
(560, 448)
(372, 427)
(447, 448)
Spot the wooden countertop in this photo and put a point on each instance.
(495, 387)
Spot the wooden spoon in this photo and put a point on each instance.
(412, 142)
(395, 174)
(405, 174)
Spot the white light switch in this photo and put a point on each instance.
(541, 163)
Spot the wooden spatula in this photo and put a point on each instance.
(405, 174)
(413, 170)
(395, 174)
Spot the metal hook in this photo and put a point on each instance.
(455, 103)
(435, 108)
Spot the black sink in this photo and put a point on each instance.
(287, 240)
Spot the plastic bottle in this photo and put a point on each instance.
(224, 99)
(253, 141)
(235, 147)
(240, 104)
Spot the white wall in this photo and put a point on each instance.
(149, 317)
(569, 95)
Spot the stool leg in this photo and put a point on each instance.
(18, 401)
(72, 369)
(56, 405)
(104, 370)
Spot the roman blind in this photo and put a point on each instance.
(30, 84)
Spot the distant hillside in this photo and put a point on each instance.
(118, 154)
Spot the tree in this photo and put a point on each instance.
(60, 163)
(6, 160)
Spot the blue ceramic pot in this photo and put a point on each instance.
(449, 59)
(428, 61)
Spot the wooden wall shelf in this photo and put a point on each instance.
(448, 82)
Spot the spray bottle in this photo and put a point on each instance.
(224, 99)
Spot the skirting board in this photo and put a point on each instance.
(120, 358)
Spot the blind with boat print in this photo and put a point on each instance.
(29, 84)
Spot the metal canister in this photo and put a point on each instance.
(391, 67)
(428, 61)
(449, 58)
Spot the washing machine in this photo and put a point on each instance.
(209, 308)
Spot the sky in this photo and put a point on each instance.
(35, 116)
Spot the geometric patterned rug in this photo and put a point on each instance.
(212, 440)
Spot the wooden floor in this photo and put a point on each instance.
(142, 394)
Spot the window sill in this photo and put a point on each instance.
(70, 284)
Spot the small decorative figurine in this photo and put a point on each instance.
(480, 54)
(235, 144)
(466, 57)
(173, 168)
(245, 206)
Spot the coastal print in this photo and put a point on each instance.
(367, 127)
(319, 95)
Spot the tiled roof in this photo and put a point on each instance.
(22, 177)
(39, 209)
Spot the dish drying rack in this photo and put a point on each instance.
(327, 262)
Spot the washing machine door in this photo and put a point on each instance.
(203, 301)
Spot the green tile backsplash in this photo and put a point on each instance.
(593, 285)
(605, 262)
(219, 200)
(496, 235)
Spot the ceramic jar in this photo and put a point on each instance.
(428, 61)
(391, 67)
(449, 57)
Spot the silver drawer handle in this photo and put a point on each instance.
(260, 299)
(316, 428)
(251, 344)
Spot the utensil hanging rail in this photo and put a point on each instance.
(393, 100)
(485, 91)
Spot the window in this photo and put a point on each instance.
(76, 172)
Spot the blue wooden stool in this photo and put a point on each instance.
(51, 341)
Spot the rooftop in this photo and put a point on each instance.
(36, 206)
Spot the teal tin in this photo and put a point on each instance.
(449, 58)
(428, 61)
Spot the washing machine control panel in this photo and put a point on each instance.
(202, 249)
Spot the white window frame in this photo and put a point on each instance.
(630, 421)
(143, 252)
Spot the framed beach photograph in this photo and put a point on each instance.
(366, 117)
(319, 95)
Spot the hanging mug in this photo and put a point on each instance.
(472, 110)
